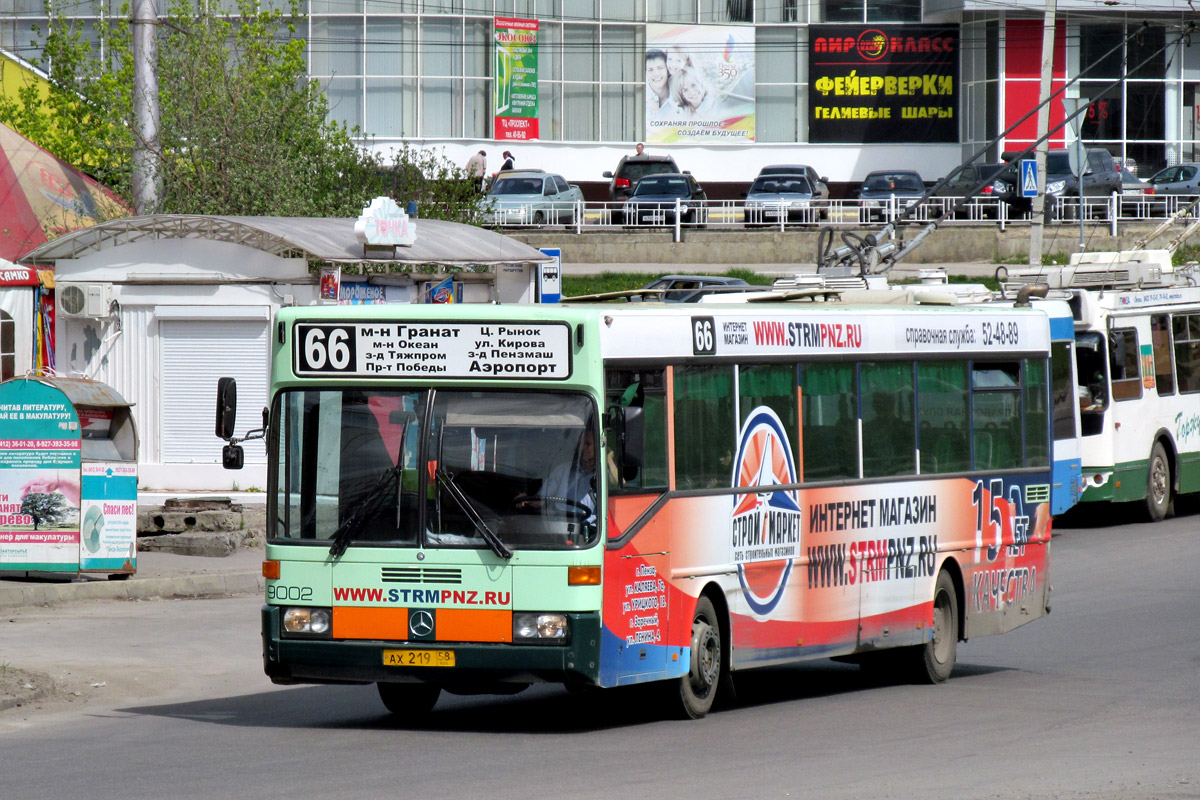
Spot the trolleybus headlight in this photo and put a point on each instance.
(305, 621)
(539, 626)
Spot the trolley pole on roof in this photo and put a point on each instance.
(1038, 218)
(146, 177)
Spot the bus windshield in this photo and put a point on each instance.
(500, 470)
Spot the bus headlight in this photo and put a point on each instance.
(304, 621)
(530, 626)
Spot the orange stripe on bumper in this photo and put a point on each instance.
(353, 622)
(473, 625)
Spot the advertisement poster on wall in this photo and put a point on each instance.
(699, 83)
(884, 83)
(516, 71)
(39, 479)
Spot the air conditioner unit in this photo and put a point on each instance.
(85, 299)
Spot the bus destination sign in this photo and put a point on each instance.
(433, 349)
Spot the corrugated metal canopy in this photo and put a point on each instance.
(316, 238)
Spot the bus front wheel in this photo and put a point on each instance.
(1158, 484)
(698, 688)
(409, 699)
(934, 661)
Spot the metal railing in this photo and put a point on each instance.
(739, 214)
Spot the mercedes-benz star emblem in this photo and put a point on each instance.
(420, 623)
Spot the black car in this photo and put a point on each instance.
(655, 198)
(631, 169)
(1101, 179)
(690, 288)
(883, 187)
(965, 180)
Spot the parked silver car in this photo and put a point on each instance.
(773, 198)
(531, 197)
(1179, 179)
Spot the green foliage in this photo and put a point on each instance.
(48, 509)
(1185, 254)
(242, 128)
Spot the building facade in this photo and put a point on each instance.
(444, 73)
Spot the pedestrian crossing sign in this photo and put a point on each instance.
(1029, 178)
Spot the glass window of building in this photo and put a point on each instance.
(871, 10)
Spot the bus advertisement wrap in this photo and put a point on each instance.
(608, 495)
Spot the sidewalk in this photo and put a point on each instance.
(159, 574)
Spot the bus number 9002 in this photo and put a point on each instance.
(275, 592)
(325, 348)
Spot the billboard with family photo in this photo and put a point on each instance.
(699, 83)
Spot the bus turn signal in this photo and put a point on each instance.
(583, 576)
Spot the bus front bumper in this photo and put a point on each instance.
(292, 661)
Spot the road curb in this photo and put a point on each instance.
(49, 594)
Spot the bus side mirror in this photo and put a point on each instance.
(226, 408)
(232, 456)
(630, 429)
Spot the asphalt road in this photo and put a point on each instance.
(1098, 701)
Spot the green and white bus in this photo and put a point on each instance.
(1137, 351)
(476, 498)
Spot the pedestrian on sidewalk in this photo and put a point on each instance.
(509, 161)
(477, 169)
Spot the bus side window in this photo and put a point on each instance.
(643, 389)
(704, 426)
(829, 420)
(889, 438)
(1125, 364)
(1160, 339)
(1186, 328)
(943, 412)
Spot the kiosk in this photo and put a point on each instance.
(68, 478)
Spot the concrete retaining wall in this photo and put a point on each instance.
(950, 243)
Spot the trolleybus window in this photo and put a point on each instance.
(1186, 328)
(1064, 393)
(1126, 374)
(1160, 339)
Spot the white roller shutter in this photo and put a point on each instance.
(195, 353)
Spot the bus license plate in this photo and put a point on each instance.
(418, 658)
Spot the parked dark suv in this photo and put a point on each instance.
(631, 169)
(1101, 179)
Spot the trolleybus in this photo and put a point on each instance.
(1137, 348)
(476, 498)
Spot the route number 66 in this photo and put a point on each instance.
(704, 336)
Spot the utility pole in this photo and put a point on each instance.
(146, 178)
(1037, 222)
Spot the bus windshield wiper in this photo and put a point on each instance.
(468, 508)
(366, 509)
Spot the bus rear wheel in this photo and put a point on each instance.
(698, 688)
(1158, 484)
(411, 700)
(933, 661)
